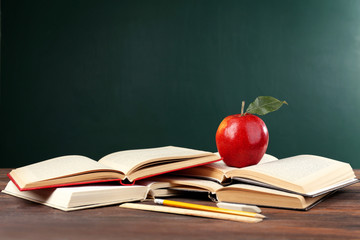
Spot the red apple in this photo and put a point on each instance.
(242, 140)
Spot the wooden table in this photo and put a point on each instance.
(336, 218)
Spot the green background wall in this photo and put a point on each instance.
(93, 77)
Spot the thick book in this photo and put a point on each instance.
(308, 175)
(89, 196)
(124, 166)
(242, 193)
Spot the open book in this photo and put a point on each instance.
(308, 175)
(90, 196)
(242, 193)
(124, 166)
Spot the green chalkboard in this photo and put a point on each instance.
(93, 77)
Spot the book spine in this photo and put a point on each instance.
(126, 182)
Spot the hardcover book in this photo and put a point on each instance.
(124, 166)
(242, 193)
(308, 175)
(90, 196)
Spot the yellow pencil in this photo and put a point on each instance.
(206, 208)
(190, 212)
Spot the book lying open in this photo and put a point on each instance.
(308, 175)
(242, 193)
(124, 166)
(90, 196)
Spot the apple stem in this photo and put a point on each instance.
(242, 108)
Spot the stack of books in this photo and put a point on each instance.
(298, 182)
(77, 182)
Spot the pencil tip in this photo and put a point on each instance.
(260, 216)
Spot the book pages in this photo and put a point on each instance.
(130, 159)
(80, 197)
(293, 169)
(221, 165)
(58, 167)
(190, 183)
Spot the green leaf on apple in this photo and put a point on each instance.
(264, 104)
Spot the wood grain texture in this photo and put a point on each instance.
(338, 217)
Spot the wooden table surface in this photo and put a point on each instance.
(338, 217)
